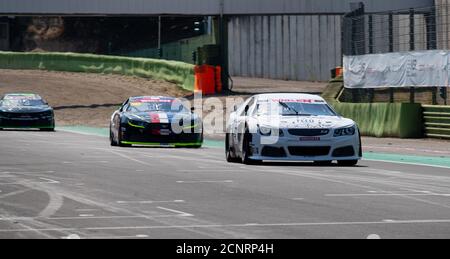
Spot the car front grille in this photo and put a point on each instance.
(309, 132)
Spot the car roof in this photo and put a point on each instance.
(24, 95)
(288, 96)
(152, 97)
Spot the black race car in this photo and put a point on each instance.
(155, 121)
(26, 111)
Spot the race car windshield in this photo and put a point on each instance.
(294, 109)
(22, 102)
(154, 106)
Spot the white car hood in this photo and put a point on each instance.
(302, 122)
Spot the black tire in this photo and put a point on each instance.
(348, 163)
(323, 163)
(229, 154)
(48, 129)
(246, 151)
(111, 138)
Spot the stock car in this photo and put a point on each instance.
(291, 127)
(156, 121)
(26, 111)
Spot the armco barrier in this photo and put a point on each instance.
(401, 120)
(179, 73)
(437, 121)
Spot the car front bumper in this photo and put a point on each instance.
(27, 123)
(328, 148)
(159, 135)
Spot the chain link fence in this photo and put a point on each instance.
(415, 29)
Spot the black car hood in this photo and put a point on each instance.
(27, 109)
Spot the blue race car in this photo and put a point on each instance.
(26, 111)
(155, 121)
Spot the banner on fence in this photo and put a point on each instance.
(401, 69)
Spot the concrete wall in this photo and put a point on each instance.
(443, 23)
(285, 47)
(4, 36)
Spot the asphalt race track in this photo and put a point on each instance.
(66, 185)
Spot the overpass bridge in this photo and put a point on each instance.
(198, 7)
(277, 39)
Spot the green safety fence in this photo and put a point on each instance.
(400, 120)
(176, 72)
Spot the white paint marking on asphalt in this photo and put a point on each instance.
(13, 193)
(47, 181)
(387, 194)
(298, 199)
(119, 237)
(50, 181)
(86, 210)
(373, 236)
(389, 220)
(312, 224)
(224, 181)
(72, 236)
(86, 215)
(149, 202)
(210, 170)
(55, 203)
(66, 162)
(180, 213)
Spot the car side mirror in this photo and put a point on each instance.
(192, 109)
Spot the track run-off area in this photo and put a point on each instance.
(74, 185)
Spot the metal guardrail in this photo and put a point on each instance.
(437, 121)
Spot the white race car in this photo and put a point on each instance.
(291, 127)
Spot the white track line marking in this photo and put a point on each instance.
(47, 181)
(387, 194)
(13, 193)
(86, 210)
(149, 202)
(87, 215)
(313, 224)
(298, 199)
(118, 237)
(210, 170)
(223, 181)
(72, 236)
(373, 236)
(180, 213)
